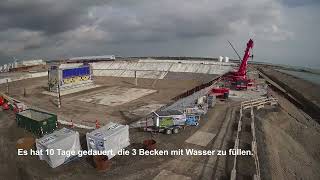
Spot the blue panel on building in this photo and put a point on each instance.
(81, 71)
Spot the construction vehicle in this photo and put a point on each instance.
(10, 103)
(193, 116)
(220, 92)
(168, 122)
(171, 121)
(192, 119)
(239, 78)
(201, 106)
(243, 84)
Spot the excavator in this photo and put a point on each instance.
(237, 79)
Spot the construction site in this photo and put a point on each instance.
(168, 118)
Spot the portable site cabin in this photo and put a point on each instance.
(164, 119)
(37, 122)
(65, 139)
(111, 137)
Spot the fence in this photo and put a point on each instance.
(258, 103)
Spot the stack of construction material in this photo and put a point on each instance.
(111, 137)
(64, 139)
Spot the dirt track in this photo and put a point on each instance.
(288, 142)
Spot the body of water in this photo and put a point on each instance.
(314, 78)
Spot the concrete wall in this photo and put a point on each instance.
(32, 62)
(190, 61)
(24, 76)
(157, 68)
(130, 73)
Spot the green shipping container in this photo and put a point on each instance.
(37, 122)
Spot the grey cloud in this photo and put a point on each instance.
(164, 20)
(296, 3)
(123, 21)
(50, 17)
(57, 28)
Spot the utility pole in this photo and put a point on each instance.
(49, 88)
(59, 96)
(135, 78)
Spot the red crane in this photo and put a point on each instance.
(242, 71)
(239, 78)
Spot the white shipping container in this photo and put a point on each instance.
(65, 139)
(109, 137)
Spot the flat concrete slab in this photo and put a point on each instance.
(70, 91)
(247, 95)
(146, 109)
(200, 138)
(166, 175)
(114, 96)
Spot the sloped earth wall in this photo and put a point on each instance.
(306, 92)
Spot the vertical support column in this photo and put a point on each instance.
(59, 74)
(49, 88)
(233, 174)
(7, 85)
(135, 78)
(91, 71)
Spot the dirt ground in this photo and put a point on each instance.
(87, 113)
(123, 167)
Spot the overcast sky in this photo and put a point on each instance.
(284, 31)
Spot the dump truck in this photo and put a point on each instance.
(171, 121)
(168, 122)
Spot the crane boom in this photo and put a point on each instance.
(235, 50)
(243, 67)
